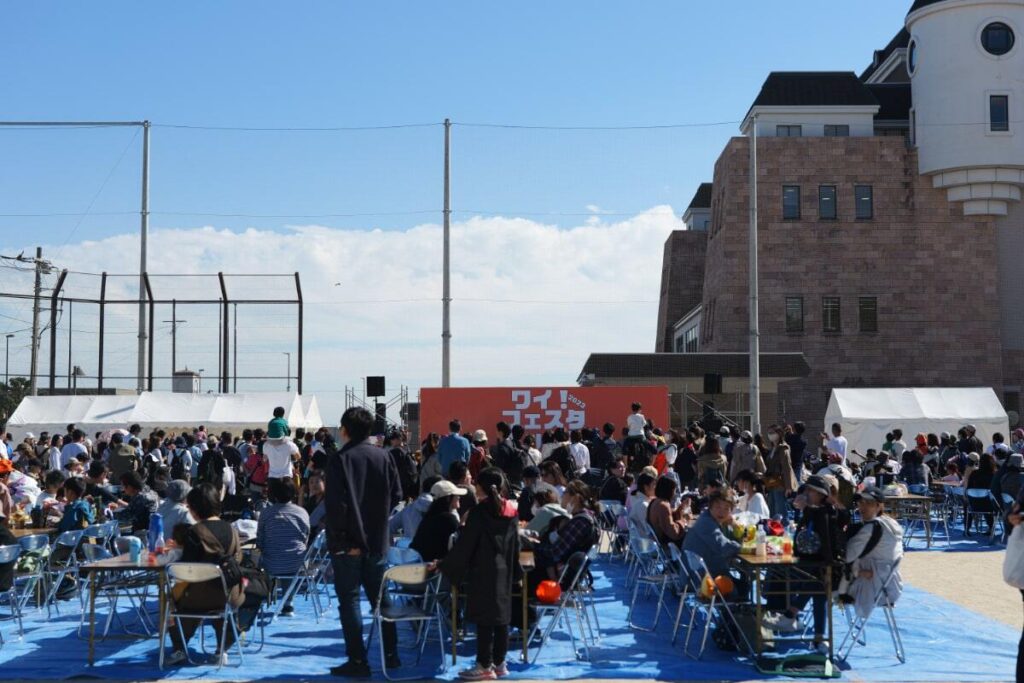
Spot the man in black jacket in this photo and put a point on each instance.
(362, 486)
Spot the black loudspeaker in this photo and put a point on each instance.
(380, 425)
(412, 412)
(712, 383)
(375, 386)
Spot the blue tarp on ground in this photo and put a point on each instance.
(943, 642)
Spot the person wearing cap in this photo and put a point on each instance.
(479, 457)
(872, 553)
(141, 503)
(433, 536)
(707, 537)
(173, 508)
(820, 538)
(745, 456)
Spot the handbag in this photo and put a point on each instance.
(1013, 561)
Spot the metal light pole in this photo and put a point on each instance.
(7, 360)
(446, 296)
(755, 334)
(143, 239)
(289, 375)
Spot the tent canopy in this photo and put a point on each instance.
(868, 414)
(161, 410)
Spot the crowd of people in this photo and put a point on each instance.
(468, 504)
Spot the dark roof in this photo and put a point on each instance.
(919, 4)
(894, 99)
(702, 199)
(901, 39)
(813, 88)
(668, 365)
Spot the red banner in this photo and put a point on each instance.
(538, 408)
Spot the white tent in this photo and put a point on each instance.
(53, 414)
(163, 410)
(868, 414)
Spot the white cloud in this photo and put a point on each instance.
(511, 278)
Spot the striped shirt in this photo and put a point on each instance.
(281, 535)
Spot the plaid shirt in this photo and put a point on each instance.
(578, 534)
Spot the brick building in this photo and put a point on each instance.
(889, 220)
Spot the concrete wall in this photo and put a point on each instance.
(931, 269)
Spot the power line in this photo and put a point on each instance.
(708, 124)
(293, 129)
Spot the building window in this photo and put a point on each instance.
(837, 131)
(830, 314)
(789, 131)
(912, 57)
(794, 314)
(690, 340)
(867, 311)
(791, 202)
(827, 202)
(864, 195)
(999, 113)
(997, 38)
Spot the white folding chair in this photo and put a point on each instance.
(656, 572)
(32, 582)
(980, 502)
(112, 587)
(193, 573)
(558, 612)
(886, 599)
(696, 571)
(60, 564)
(404, 577)
(9, 554)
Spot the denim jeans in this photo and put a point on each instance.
(778, 505)
(351, 572)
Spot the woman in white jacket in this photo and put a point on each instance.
(872, 553)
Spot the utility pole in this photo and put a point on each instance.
(35, 321)
(70, 324)
(446, 300)
(755, 334)
(7, 360)
(143, 239)
(174, 321)
(289, 354)
(234, 352)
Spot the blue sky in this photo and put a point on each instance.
(269, 64)
(569, 201)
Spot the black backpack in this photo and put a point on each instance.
(512, 459)
(178, 470)
(211, 469)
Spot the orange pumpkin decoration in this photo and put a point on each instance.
(707, 587)
(724, 584)
(549, 592)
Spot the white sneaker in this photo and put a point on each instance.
(175, 658)
(780, 622)
(220, 660)
(821, 648)
(477, 673)
(501, 670)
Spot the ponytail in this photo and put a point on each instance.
(492, 481)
